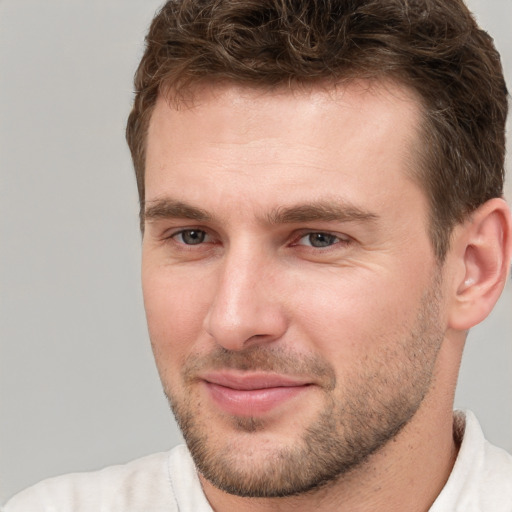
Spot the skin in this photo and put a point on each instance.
(365, 324)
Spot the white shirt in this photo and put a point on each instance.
(481, 481)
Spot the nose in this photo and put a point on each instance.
(246, 308)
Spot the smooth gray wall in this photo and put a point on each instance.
(78, 389)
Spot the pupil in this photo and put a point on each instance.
(193, 237)
(321, 239)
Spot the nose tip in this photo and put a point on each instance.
(244, 312)
(238, 331)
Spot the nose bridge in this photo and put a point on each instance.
(244, 310)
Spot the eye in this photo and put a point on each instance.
(191, 236)
(319, 240)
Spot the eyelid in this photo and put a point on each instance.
(172, 234)
(341, 238)
(177, 232)
(168, 234)
(179, 251)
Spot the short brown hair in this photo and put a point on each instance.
(432, 46)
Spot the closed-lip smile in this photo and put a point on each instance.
(252, 393)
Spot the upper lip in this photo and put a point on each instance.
(255, 380)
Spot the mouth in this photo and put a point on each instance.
(252, 394)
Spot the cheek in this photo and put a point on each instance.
(354, 314)
(175, 309)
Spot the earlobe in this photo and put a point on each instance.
(483, 248)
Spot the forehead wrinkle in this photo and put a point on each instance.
(319, 211)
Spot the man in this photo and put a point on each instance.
(323, 222)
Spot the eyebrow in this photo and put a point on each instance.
(320, 211)
(326, 211)
(169, 208)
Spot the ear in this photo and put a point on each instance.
(481, 253)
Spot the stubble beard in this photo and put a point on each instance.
(377, 400)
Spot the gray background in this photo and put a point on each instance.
(77, 385)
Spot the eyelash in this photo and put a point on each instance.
(189, 230)
(331, 237)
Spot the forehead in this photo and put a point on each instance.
(220, 105)
(244, 142)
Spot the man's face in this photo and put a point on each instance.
(291, 290)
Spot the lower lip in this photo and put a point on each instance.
(241, 402)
